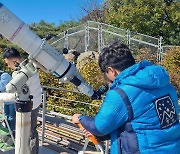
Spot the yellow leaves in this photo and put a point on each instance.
(171, 62)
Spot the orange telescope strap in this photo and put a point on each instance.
(91, 138)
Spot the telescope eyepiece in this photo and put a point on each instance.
(101, 91)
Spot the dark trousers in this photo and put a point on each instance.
(34, 133)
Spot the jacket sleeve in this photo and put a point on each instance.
(5, 78)
(112, 114)
(7, 97)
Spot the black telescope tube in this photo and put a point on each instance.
(75, 81)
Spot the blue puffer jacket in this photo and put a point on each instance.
(155, 128)
(5, 78)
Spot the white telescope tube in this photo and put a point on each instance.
(44, 55)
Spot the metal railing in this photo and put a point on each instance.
(66, 117)
(93, 36)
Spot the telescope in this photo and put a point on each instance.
(45, 57)
(40, 52)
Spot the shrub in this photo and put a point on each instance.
(171, 62)
(145, 53)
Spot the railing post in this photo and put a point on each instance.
(160, 51)
(129, 38)
(99, 37)
(66, 39)
(43, 114)
(106, 147)
(86, 36)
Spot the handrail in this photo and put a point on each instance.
(68, 118)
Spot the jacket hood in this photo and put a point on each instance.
(143, 75)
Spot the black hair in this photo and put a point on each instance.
(11, 53)
(117, 55)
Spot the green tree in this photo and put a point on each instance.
(43, 28)
(155, 17)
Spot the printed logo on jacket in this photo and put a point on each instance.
(166, 111)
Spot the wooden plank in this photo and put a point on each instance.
(66, 132)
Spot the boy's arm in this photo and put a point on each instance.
(112, 115)
(7, 97)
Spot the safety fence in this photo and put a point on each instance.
(93, 36)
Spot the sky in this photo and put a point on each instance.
(51, 11)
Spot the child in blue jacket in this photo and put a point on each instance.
(9, 107)
(140, 110)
